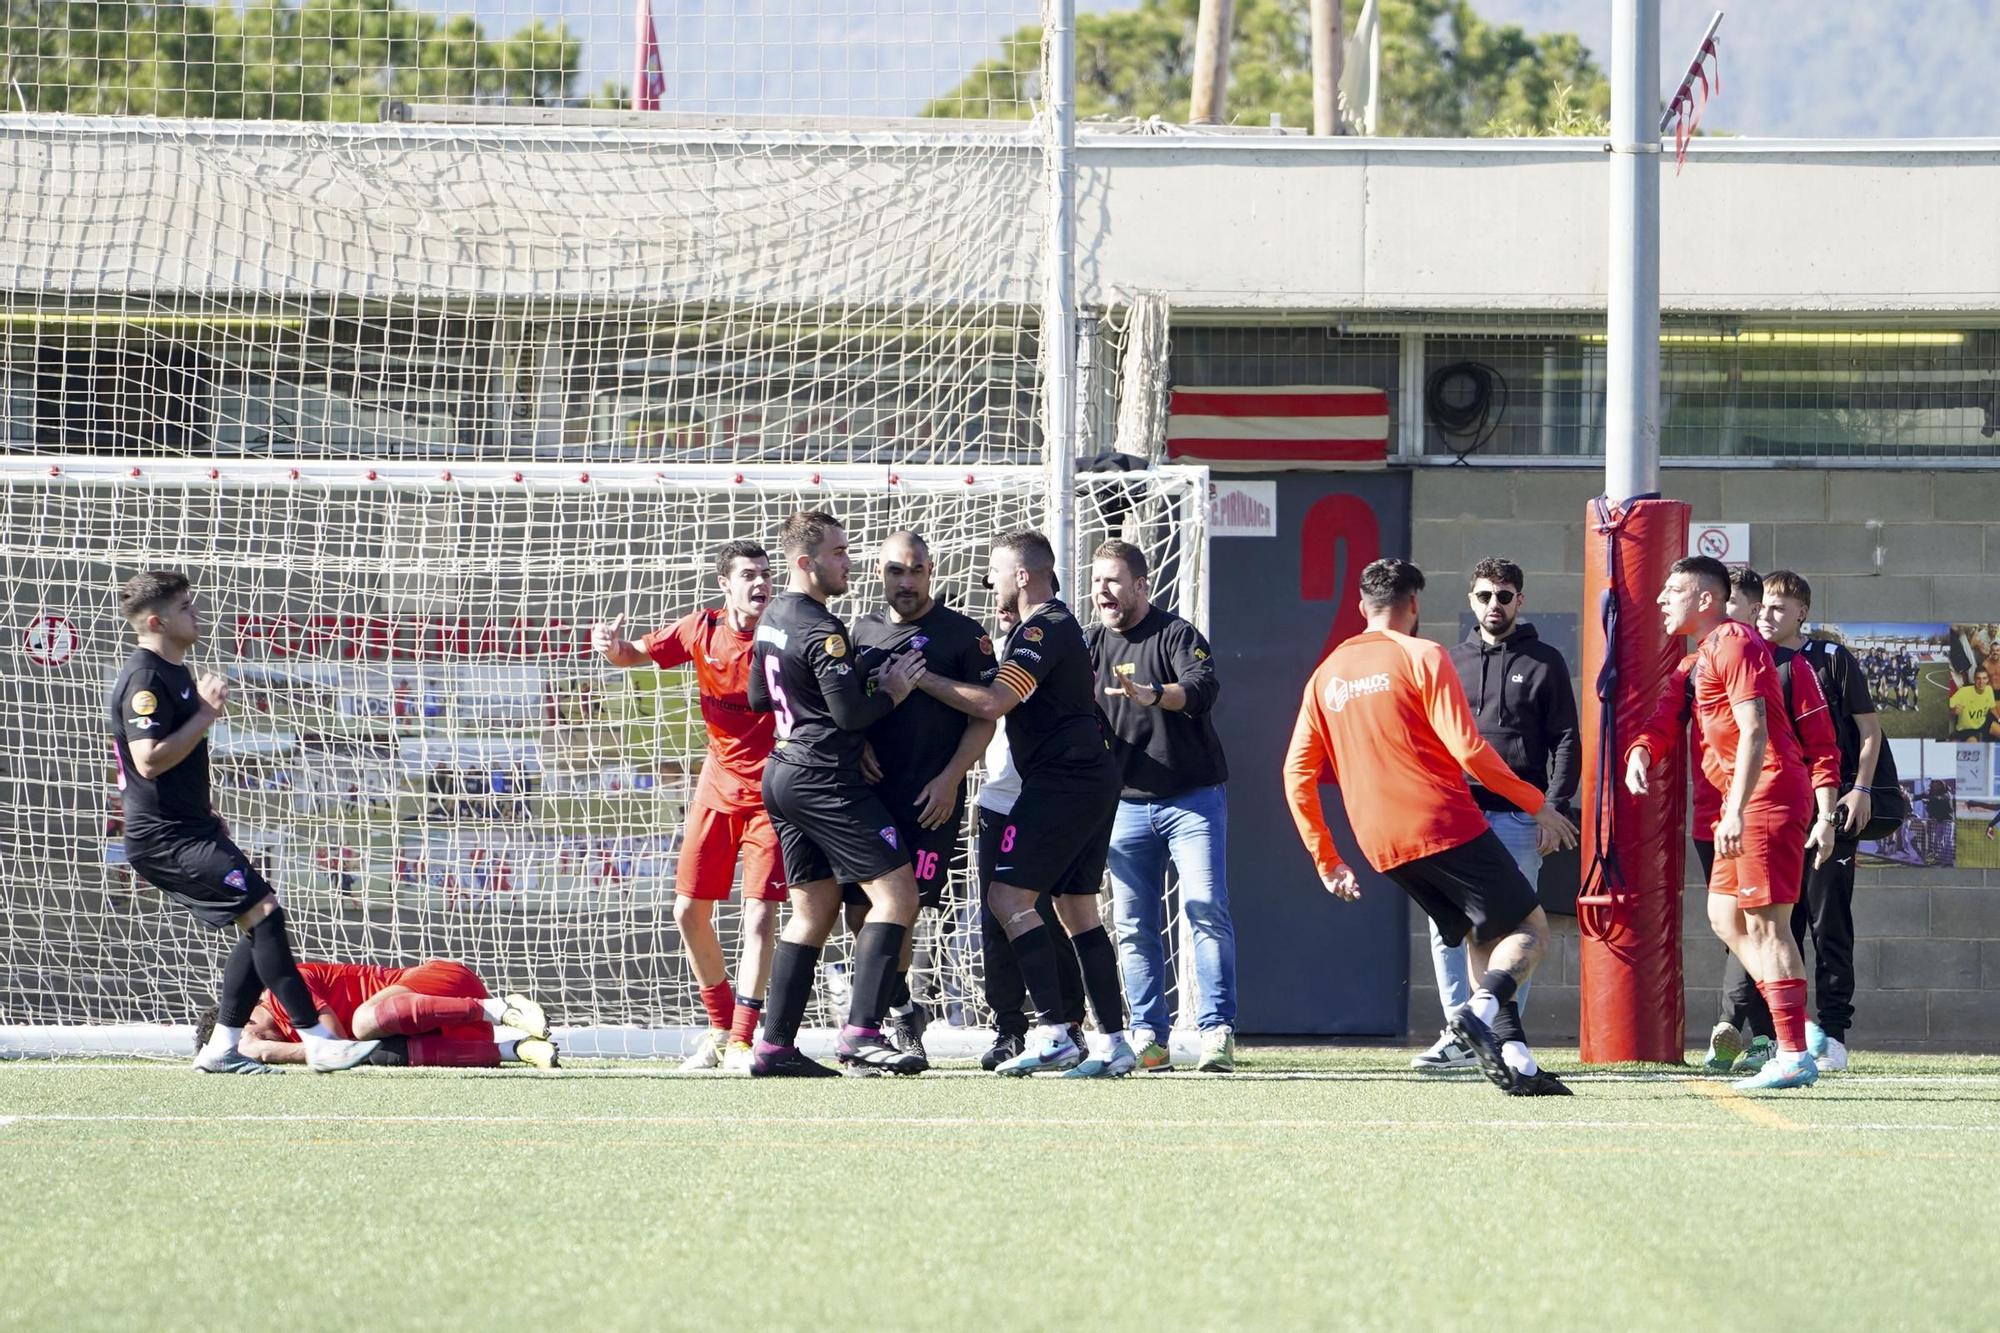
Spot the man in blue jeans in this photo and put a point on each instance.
(1520, 694)
(1159, 683)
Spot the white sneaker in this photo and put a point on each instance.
(1834, 1059)
(1447, 1052)
(707, 1053)
(327, 1057)
(227, 1060)
(737, 1059)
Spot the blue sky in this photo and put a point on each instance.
(1791, 68)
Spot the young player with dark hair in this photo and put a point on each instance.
(1761, 834)
(1807, 715)
(437, 1015)
(174, 840)
(726, 822)
(1058, 834)
(1746, 594)
(1826, 911)
(831, 825)
(1385, 717)
(922, 751)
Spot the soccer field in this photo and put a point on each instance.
(1322, 1189)
(1930, 720)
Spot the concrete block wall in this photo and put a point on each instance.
(1927, 954)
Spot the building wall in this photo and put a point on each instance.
(1927, 956)
(1236, 222)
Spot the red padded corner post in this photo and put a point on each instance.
(1629, 912)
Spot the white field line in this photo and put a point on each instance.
(959, 1122)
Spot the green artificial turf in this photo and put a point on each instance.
(1352, 1193)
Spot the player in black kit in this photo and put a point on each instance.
(831, 825)
(174, 840)
(1059, 830)
(924, 749)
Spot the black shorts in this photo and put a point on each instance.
(210, 876)
(830, 825)
(936, 854)
(1056, 841)
(1474, 887)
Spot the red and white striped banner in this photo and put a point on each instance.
(1283, 427)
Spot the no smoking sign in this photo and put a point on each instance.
(1727, 542)
(49, 640)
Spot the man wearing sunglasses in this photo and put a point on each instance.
(1521, 698)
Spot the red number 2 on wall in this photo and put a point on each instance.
(1338, 539)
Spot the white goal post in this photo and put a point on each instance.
(421, 753)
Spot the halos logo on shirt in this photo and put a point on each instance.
(1339, 691)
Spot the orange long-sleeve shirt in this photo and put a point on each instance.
(1385, 717)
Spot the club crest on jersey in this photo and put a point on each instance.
(920, 641)
(1033, 634)
(145, 703)
(234, 879)
(835, 646)
(1339, 691)
(889, 836)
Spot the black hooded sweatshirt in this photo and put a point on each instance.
(1521, 698)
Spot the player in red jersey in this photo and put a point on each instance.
(1767, 805)
(726, 820)
(1672, 720)
(436, 1014)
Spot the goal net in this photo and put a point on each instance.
(421, 752)
(421, 378)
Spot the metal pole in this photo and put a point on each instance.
(1632, 316)
(1374, 70)
(641, 11)
(1211, 62)
(1059, 305)
(1326, 57)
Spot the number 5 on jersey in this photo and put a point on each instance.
(773, 680)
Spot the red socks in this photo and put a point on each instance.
(444, 1053)
(1787, 1000)
(743, 1027)
(720, 1002)
(409, 1015)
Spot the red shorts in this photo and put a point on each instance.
(448, 980)
(444, 978)
(714, 841)
(1772, 866)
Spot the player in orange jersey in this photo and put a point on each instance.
(1767, 805)
(726, 820)
(436, 1014)
(1385, 717)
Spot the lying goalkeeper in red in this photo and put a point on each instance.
(436, 1014)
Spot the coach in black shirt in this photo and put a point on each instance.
(1159, 685)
